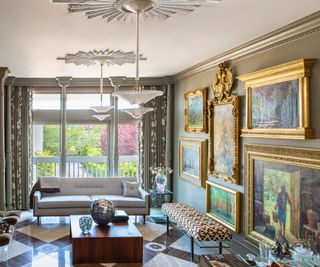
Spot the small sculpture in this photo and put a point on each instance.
(281, 250)
(221, 88)
(102, 211)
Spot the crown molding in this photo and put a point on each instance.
(4, 72)
(91, 82)
(284, 35)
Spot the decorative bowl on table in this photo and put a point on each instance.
(102, 211)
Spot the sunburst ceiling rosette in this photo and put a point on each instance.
(124, 10)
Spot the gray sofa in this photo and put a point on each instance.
(76, 194)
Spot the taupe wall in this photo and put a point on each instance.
(306, 47)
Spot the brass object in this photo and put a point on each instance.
(295, 70)
(235, 102)
(189, 128)
(221, 88)
(201, 146)
(237, 225)
(303, 157)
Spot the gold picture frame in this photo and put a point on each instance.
(193, 160)
(224, 139)
(196, 111)
(281, 188)
(223, 205)
(277, 101)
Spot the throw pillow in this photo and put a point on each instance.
(130, 189)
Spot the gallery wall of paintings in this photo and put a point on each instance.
(258, 154)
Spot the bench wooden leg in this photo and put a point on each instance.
(168, 225)
(38, 220)
(220, 247)
(192, 248)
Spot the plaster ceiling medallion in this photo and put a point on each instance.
(95, 57)
(124, 10)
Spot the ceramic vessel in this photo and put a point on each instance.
(102, 211)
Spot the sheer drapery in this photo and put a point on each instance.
(18, 175)
(153, 145)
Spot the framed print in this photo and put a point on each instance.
(282, 194)
(196, 111)
(223, 205)
(193, 160)
(277, 101)
(224, 120)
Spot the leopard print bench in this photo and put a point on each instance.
(195, 224)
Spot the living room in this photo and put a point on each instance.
(159, 133)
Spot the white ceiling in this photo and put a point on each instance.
(34, 32)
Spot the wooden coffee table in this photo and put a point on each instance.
(116, 243)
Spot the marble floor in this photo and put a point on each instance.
(49, 245)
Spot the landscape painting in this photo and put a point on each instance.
(193, 160)
(276, 105)
(286, 204)
(223, 205)
(224, 139)
(196, 111)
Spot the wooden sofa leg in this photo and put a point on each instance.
(220, 247)
(167, 225)
(144, 219)
(192, 248)
(38, 220)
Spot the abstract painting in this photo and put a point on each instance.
(193, 160)
(284, 196)
(223, 205)
(277, 101)
(224, 139)
(196, 111)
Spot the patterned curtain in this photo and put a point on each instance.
(153, 139)
(19, 147)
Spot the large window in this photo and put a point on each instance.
(88, 146)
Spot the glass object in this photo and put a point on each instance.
(102, 211)
(264, 253)
(85, 224)
(161, 182)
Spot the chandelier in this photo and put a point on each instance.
(108, 57)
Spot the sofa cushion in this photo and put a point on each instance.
(130, 189)
(73, 201)
(121, 201)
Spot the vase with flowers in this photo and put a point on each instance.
(160, 180)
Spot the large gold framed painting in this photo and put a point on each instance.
(196, 111)
(282, 194)
(277, 101)
(193, 160)
(224, 114)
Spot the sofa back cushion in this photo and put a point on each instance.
(90, 186)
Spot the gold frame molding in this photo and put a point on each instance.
(303, 157)
(235, 102)
(295, 70)
(237, 226)
(199, 92)
(201, 145)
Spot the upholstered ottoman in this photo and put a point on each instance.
(195, 224)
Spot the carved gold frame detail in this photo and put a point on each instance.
(303, 157)
(235, 102)
(294, 70)
(199, 92)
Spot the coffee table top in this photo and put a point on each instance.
(113, 230)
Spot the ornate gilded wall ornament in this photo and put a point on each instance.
(221, 88)
(277, 101)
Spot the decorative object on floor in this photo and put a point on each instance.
(102, 57)
(224, 120)
(85, 223)
(278, 104)
(195, 225)
(120, 216)
(196, 111)
(124, 10)
(283, 183)
(160, 180)
(223, 205)
(102, 211)
(193, 160)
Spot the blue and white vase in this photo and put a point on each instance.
(85, 224)
(161, 182)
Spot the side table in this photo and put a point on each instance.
(157, 199)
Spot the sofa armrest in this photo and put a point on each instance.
(145, 196)
(36, 198)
